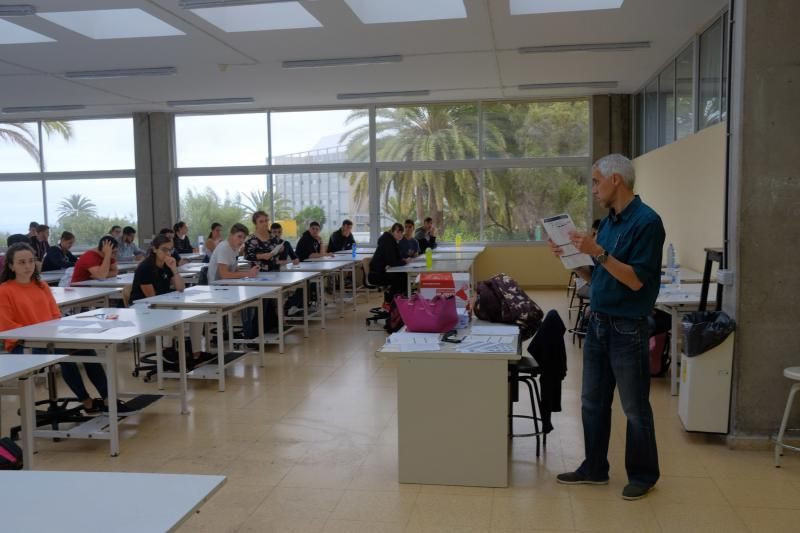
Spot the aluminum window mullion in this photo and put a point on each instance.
(41, 169)
(481, 182)
(373, 179)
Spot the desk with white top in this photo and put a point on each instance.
(123, 267)
(95, 330)
(120, 281)
(219, 302)
(67, 297)
(79, 502)
(476, 248)
(452, 415)
(329, 268)
(414, 268)
(22, 367)
(687, 275)
(448, 256)
(52, 276)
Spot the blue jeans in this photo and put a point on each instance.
(72, 375)
(616, 354)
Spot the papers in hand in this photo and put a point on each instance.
(558, 229)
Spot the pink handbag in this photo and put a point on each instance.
(427, 316)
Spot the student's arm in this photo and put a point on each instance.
(55, 312)
(224, 272)
(148, 290)
(7, 308)
(105, 269)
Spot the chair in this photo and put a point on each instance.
(794, 374)
(526, 371)
(579, 329)
(377, 314)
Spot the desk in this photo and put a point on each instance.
(120, 282)
(448, 256)
(124, 267)
(677, 300)
(52, 277)
(412, 269)
(687, 276)
(218, 301)
(67, 297)
(452, 416)
(192, 257)
(22, 367)
(79, 502)
(327, 268)
(105, 335)
(476, 248)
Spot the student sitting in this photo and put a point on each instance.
(181, 239)
(128, 251)
(59, 257)
(115, 232)
(98, 263)
(310, 244)
(32, 230)
(426, 235)
(225, 259)
(409, 246)
(286, 255)
(342, 238)
(212, 240)
(25, 300)
(170, 233)
(259, 248)
(157, 274)
(387, 254)
(39, 242)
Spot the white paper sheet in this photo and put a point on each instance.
(485, 347)
(416, 347)
(413, 338)
(558, 229)
(495, 329)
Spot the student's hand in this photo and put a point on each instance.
(107, 249)
(253, 272)
(182, 261)
(585, 243)
(557, 250)
(296, 262)
(433, 231)
(170, 262)
(407, 260)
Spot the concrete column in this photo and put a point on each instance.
(156, 194)
(764, 204)
(611, 131)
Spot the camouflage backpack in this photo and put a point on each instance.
(500, 299)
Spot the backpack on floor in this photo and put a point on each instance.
(659, 354)
(500, 299)
(10, 455)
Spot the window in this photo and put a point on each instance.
(640, 122)
(666, 105)
(710, 84)
(221, 140)
(725, 53)
(536, 129)
(436, 132)
(89, 207)
(19, 147)
(651, 116)
(27, 206)
(86, 145)
(310, 137)
(684, 92)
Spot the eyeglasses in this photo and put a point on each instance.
(166, 250)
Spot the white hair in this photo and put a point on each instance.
(617, 164)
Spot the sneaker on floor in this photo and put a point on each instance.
(634, 492)
(122, 408)
(293, 310)
(574, 478)
(96, 408)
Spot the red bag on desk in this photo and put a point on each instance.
(437, 315)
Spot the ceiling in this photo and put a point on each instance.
(456, 59)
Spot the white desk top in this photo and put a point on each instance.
(317, 266)
(93, 329)
(449, 256)
(208, 297)
(270, 279)
(359, 250)
(687, 276)
(476, 248)
(52, 276)
(67, 296)
(339, 258)
(13, 365)
(449, 350)
(191, 257)
(80, 502)
(459, 265)
(127, 266)
(120, 281)
(685, 295)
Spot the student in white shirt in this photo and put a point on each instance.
(225, 259)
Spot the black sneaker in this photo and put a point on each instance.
(574, 478)
(634, 492)
(122, 409)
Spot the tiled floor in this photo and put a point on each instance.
(309, 444)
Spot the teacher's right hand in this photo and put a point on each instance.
(556, 249)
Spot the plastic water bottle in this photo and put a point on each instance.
(458, 241)
(201, 245)
(670, 257)
(428, 258)
(537, 235)
(354, 250)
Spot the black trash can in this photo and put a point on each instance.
(705, 330)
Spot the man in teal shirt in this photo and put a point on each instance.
(625, 283)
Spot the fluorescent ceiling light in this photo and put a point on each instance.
(112, 23)
(209, 101)
(570, 85)
(588, 47)
(386, 11)
(260, 17)
(381, 94)
(535, 7)
(339, 61)
(17, 10)
(120, 73)
(11, 33)
(36, 109)
(195, 4)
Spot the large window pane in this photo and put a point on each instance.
(223, 199)
(725, 53)
(710, 75)
(451, 198)
(221, 140)
(101, 144)
(536, 129)
(684, 98)
(19, 147)
(518, 198)
(325, 197)
(651, 115)
(436, 132)
(89, 207)
(308, 137)
(27, 206)
(666, 105)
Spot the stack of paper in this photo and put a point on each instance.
(495, 329)
(413, 342)
(478, 345)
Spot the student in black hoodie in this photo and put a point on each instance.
(310, 244)
(59, 257)
(287, 254)
(387, 254)
(342, 238)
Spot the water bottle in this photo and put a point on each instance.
(670, 257)
(201, 245)
(458, 241)
(354, 250)
(538, 232)
(429, 258)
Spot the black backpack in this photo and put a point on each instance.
(10, 455)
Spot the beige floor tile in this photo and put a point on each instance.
(614, 516)
(699, 491)
(380, 478)
(227, 509)
(456, 490)
(523, 511)
(349, 526)
(314, 503)
(319, 476)
(418, 528)
(282, 524)
(451, 510)
(683, 518)
(760, 493)
(375, 506)
(761, 520)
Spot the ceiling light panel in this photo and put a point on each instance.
(210, 101)
(120, 73)
(261, 17)
(388, 11)
(569, 85)
(588, 47)
(112, 23)
(42, 108)
(11, 33)
(382, 94)
(341, 61)
(535, 7)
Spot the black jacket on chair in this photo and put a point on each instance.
(547, 348)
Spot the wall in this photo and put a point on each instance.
(533, 266)
(685, 183)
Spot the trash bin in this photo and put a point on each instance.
(706, 370)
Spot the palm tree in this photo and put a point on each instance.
(260, 201)
(24, 134)
(75, 205)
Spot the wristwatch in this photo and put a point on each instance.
(602, 258)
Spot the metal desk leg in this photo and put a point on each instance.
(261, 334)
(221, 351)
(230, 332)
(281, 327)
(673, 348)
(341, 293)
(27, 409)
(305, 309)
(355, 288)
(160, 362)
(182, 370)
(113, 420)
(408, 284)
(323, 305)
